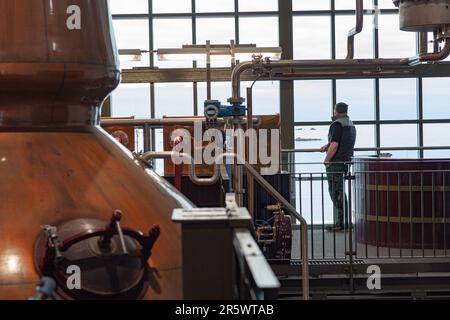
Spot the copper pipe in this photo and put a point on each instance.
(312, 65)
(423, 42)
(433, 57)
(356, 30)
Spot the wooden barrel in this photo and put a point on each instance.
(56, 165)
(403, 203)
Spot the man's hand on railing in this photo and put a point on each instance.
(324, 148)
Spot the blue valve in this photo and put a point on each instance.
(214, 110)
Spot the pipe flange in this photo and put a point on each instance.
(236, 101)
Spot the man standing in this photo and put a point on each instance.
(340, 148)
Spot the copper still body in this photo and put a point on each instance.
(70, 194)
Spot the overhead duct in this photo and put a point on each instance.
(423, 15)
(427, 16)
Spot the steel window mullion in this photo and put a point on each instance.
(130, 16)
(377, 86)
(194, 63)
(420, 115)
(152, 64)
(236, 21)
(333, 55)
(340, 12)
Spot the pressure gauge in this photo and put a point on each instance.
(211, 112)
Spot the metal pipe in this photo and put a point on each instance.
(147, 138)
(327, 67)
(357, 29)
(435, 41)
(148, 156)
(311, 65)
(237, 170)
(160, 123)
(250, 182)
(423, 42)
(208, 70)
(348, 73)
(435, 56)
(374, 149)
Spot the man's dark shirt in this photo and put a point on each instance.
(343, 132)
(335, 132)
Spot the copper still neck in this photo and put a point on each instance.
(58, 62)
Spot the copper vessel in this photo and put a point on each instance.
(58, 168)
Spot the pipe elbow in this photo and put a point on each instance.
(434, 57)
(236, 77)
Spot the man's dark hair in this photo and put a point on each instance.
(341, 107)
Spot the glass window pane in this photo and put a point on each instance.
(436, 154)
(261, 31)
(219, 91)
(309, 105)
(139, 140)
(399, 135)
(398, 99)
(312, 37)
(351, 5)
(436, 135)
(403, 154)
(393, 42)
(386, 4)
(214, 5)
(359, 95)
(131, 100)
(127, 37)
(311, 5)
(217, 30)
(128, 7)
(174, 99)
(310, 137)
(258, 5)
(436, 98)
(365, 136)
(363, 41)
(266, 97)
(172, 33)
(172, 6)
(159, 146)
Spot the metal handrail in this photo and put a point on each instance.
(312, 150)
(263, 182)
(275, 194)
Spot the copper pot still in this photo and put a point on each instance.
(73, 201)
